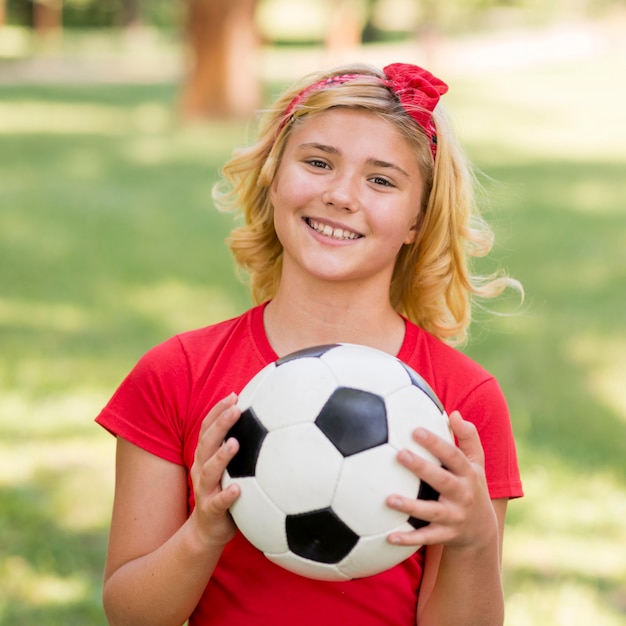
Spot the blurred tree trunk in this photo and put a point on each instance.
(428, 32)
(222, 43)
(3, 14)
(47, 18)
(130, 14)
(346, 26)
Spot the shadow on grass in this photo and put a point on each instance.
(552, 583)
(566, 243)
(109, 241)
(126, 95)
(53, 575)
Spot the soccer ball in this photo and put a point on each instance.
(319, 433)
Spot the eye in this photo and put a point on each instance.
(318, 163)
(384, 182)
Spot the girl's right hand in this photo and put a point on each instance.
(213, 522)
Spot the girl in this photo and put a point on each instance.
(358, 224)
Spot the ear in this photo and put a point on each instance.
(414, 230)
(273, 186)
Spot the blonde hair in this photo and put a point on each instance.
(432, 283)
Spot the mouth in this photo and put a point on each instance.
(340, 234)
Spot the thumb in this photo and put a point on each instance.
(467, 438)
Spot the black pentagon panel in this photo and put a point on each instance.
(419, 382)
(250, 433)
(354, 420)
(319, 536)
(312, 352)
(426, 492)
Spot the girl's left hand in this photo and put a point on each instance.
(463, 516)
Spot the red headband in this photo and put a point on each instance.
(416, 88)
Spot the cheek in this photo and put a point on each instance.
(401, 229)
(290, 193)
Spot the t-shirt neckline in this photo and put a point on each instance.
(265, 348)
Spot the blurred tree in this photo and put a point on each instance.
(47, 17)
(346, 25)
(454, 15)
(222, 43)
(130, 14)
(430, 28)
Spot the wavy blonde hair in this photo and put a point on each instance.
(432, 283)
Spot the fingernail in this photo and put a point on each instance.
(405, 456)
(420, 433)
(231, 413)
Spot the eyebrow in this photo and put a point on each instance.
(386, 164)
(318, 146)
(371, 161)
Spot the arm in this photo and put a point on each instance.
(160, 559)
(462, 583)
(462, 579)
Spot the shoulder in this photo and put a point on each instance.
(160, 403)
(458, 381)
(449, 371)
(203, 363)
(199, 344)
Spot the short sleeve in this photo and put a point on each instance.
(486, 407)
(147, 407)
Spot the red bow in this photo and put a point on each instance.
(417, 89)
(419, 92)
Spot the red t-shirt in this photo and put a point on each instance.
(162, 402)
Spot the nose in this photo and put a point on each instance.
(342, 193)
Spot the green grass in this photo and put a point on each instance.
(555, 184)
(109, 244)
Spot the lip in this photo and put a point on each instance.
(332, 231)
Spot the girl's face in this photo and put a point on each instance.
(346, 197)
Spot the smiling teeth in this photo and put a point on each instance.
(329, 231)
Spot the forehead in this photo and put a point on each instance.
(353, 131)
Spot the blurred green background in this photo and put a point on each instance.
(109, 244)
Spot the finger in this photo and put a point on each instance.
(448, 455)
(213, 468)
(425, 469)
(439, 521)
(467, 438)
(425, 510)
(221, 502)
(216, 431)
(220, 407)
(448, 488)
(425, 536)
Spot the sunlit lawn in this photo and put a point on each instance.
(109, 244)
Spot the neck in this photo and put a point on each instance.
(338, 315)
